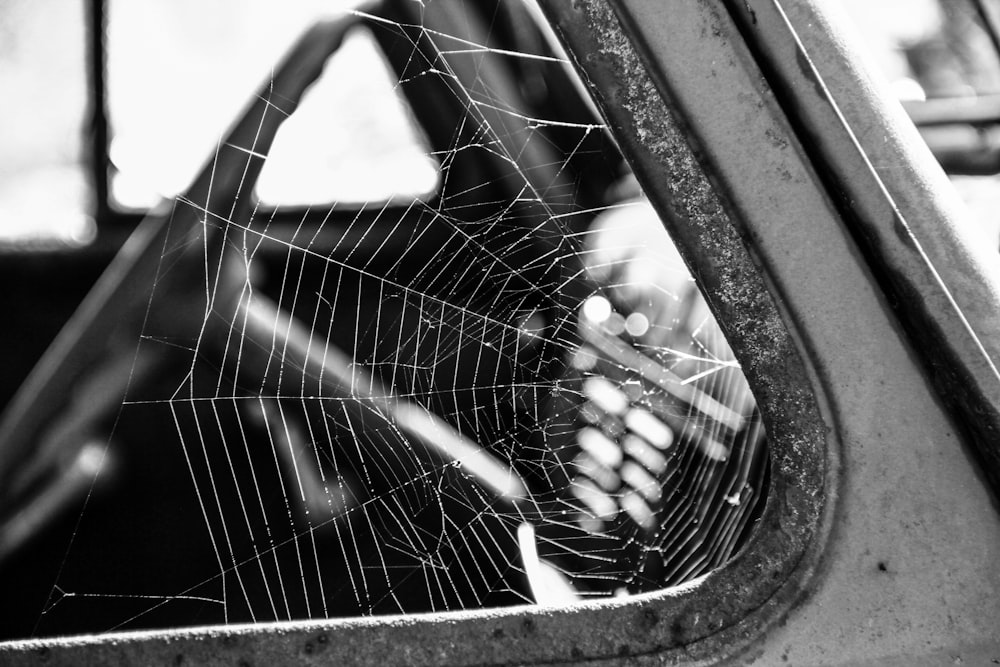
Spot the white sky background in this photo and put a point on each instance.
(178, 76)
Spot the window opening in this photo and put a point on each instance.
(507, 392)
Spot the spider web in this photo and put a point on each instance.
(505, 391)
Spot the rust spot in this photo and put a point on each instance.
(528, 625)
(678, 631)
(648, 618)
(776, 139)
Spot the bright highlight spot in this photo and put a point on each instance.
(636, 324)
(597, 309)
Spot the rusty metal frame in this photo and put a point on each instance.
(740, 190)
